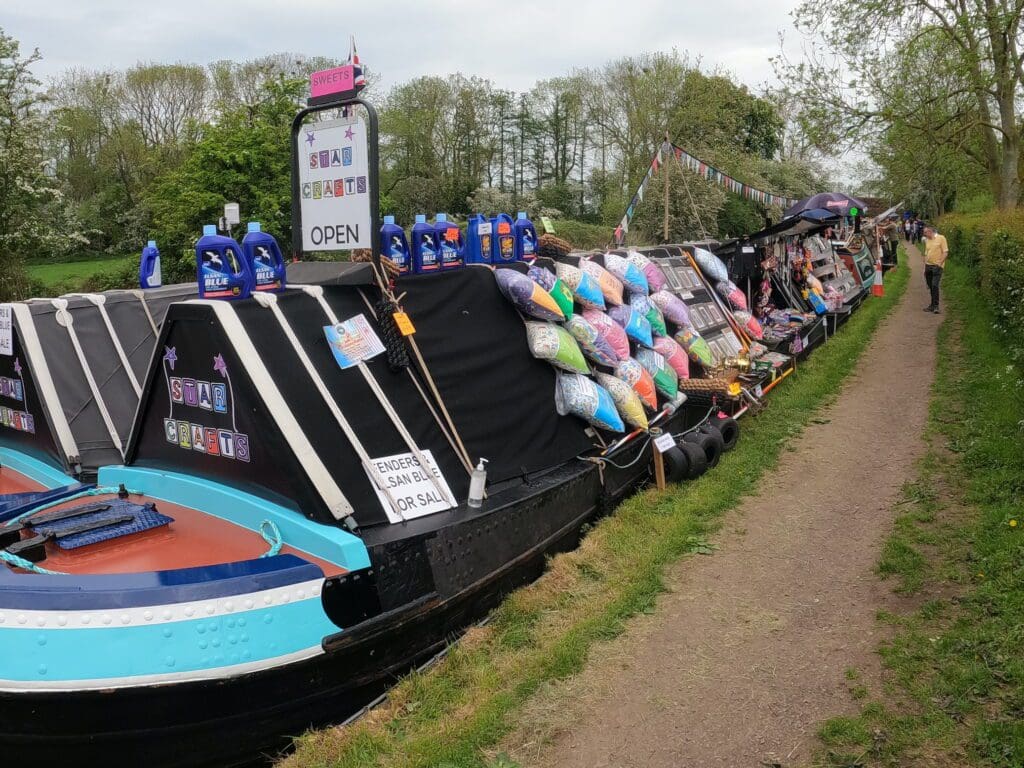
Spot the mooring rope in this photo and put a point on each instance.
(273, 538)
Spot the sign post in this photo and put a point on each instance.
(335, 170)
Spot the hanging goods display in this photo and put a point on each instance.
(612, 333)
(559, 291)
(666, 380)
(579, 396)
(627, 272)
(641, 304)
(595, 347)
(656, 280)
(636, 326)
(554, 345)
(627, 402)
(637, 377)
(674, 355)
(526, 296)
(585, 289)
(611, 286)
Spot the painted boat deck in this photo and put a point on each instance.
(193, 539)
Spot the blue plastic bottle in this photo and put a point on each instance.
(503, 249)
(450, 242)
(149, 267)
(394, 246)
(478, 240)
(221, 268)
(525, 237)
(264, 259)
(425, 256)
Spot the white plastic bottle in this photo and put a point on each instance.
(477, 483)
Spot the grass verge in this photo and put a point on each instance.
(68, 272)
(953, 670)
(454, 713)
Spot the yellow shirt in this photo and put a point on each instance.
(936, 250)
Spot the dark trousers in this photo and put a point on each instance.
(932, 276)
(894, 247)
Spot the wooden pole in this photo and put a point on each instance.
(659, 461)
(664, 173)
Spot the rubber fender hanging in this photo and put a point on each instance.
(677, 465)
(706, 443)
(716, 435)
(697, 458)
(729, 428)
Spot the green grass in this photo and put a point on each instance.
(954, 669)
(56, 274)
(455, 713)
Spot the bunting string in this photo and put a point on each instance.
(705, 171)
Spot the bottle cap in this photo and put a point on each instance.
(254, 226)
(209, 229)
(421, 218)
(151, 244)
(389, 219)
(521, 215)
(441, 218)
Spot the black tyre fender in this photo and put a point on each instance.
(708, 444)
(677, 465)
(698, 459)
(716, 435)
(729, 429)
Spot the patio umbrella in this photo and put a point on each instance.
(837, 202)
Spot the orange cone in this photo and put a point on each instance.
(878, 288)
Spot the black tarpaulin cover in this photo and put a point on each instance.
(500, 398)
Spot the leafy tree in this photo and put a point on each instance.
(949, 71)
(245, 158)
(32, 221)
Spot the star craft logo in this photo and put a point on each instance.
(210, 396)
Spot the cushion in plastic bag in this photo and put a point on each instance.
(550, 282)
(634, 374)
(595, 347)
(642, 304)
(696, 347)
(656, 280)
(628, 272)
(666, 380)
(610, 331)
(528, 297)
(672, 307)
(710, 265)
(749, 322)
(674, 355)
(579, 396)
(627, 402)
(636, 326)
(583, 286)
(554, 344)
(732, 294)
(611, 286)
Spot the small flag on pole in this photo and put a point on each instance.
(359, 80)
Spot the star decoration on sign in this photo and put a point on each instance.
(171, 356)
(310, 138)
(17, 366)
(349, 133)
(220, 366)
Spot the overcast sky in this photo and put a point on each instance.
(513, 43)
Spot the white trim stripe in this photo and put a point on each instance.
(112, 618)
(171, 678)
(264, 384)
(36, 361)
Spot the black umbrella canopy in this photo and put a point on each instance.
(837, 202)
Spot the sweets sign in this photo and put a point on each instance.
(334, 186)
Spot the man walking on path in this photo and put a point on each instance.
(935, 252)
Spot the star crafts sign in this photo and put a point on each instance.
(334, 186)
(189, 398)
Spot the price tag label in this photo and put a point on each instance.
(484, 228)
(664, 442)
(686, 295)
(758, 392)
(748, 249)
(405, 326)
(548, 226)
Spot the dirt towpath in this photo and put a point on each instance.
(747, 654)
